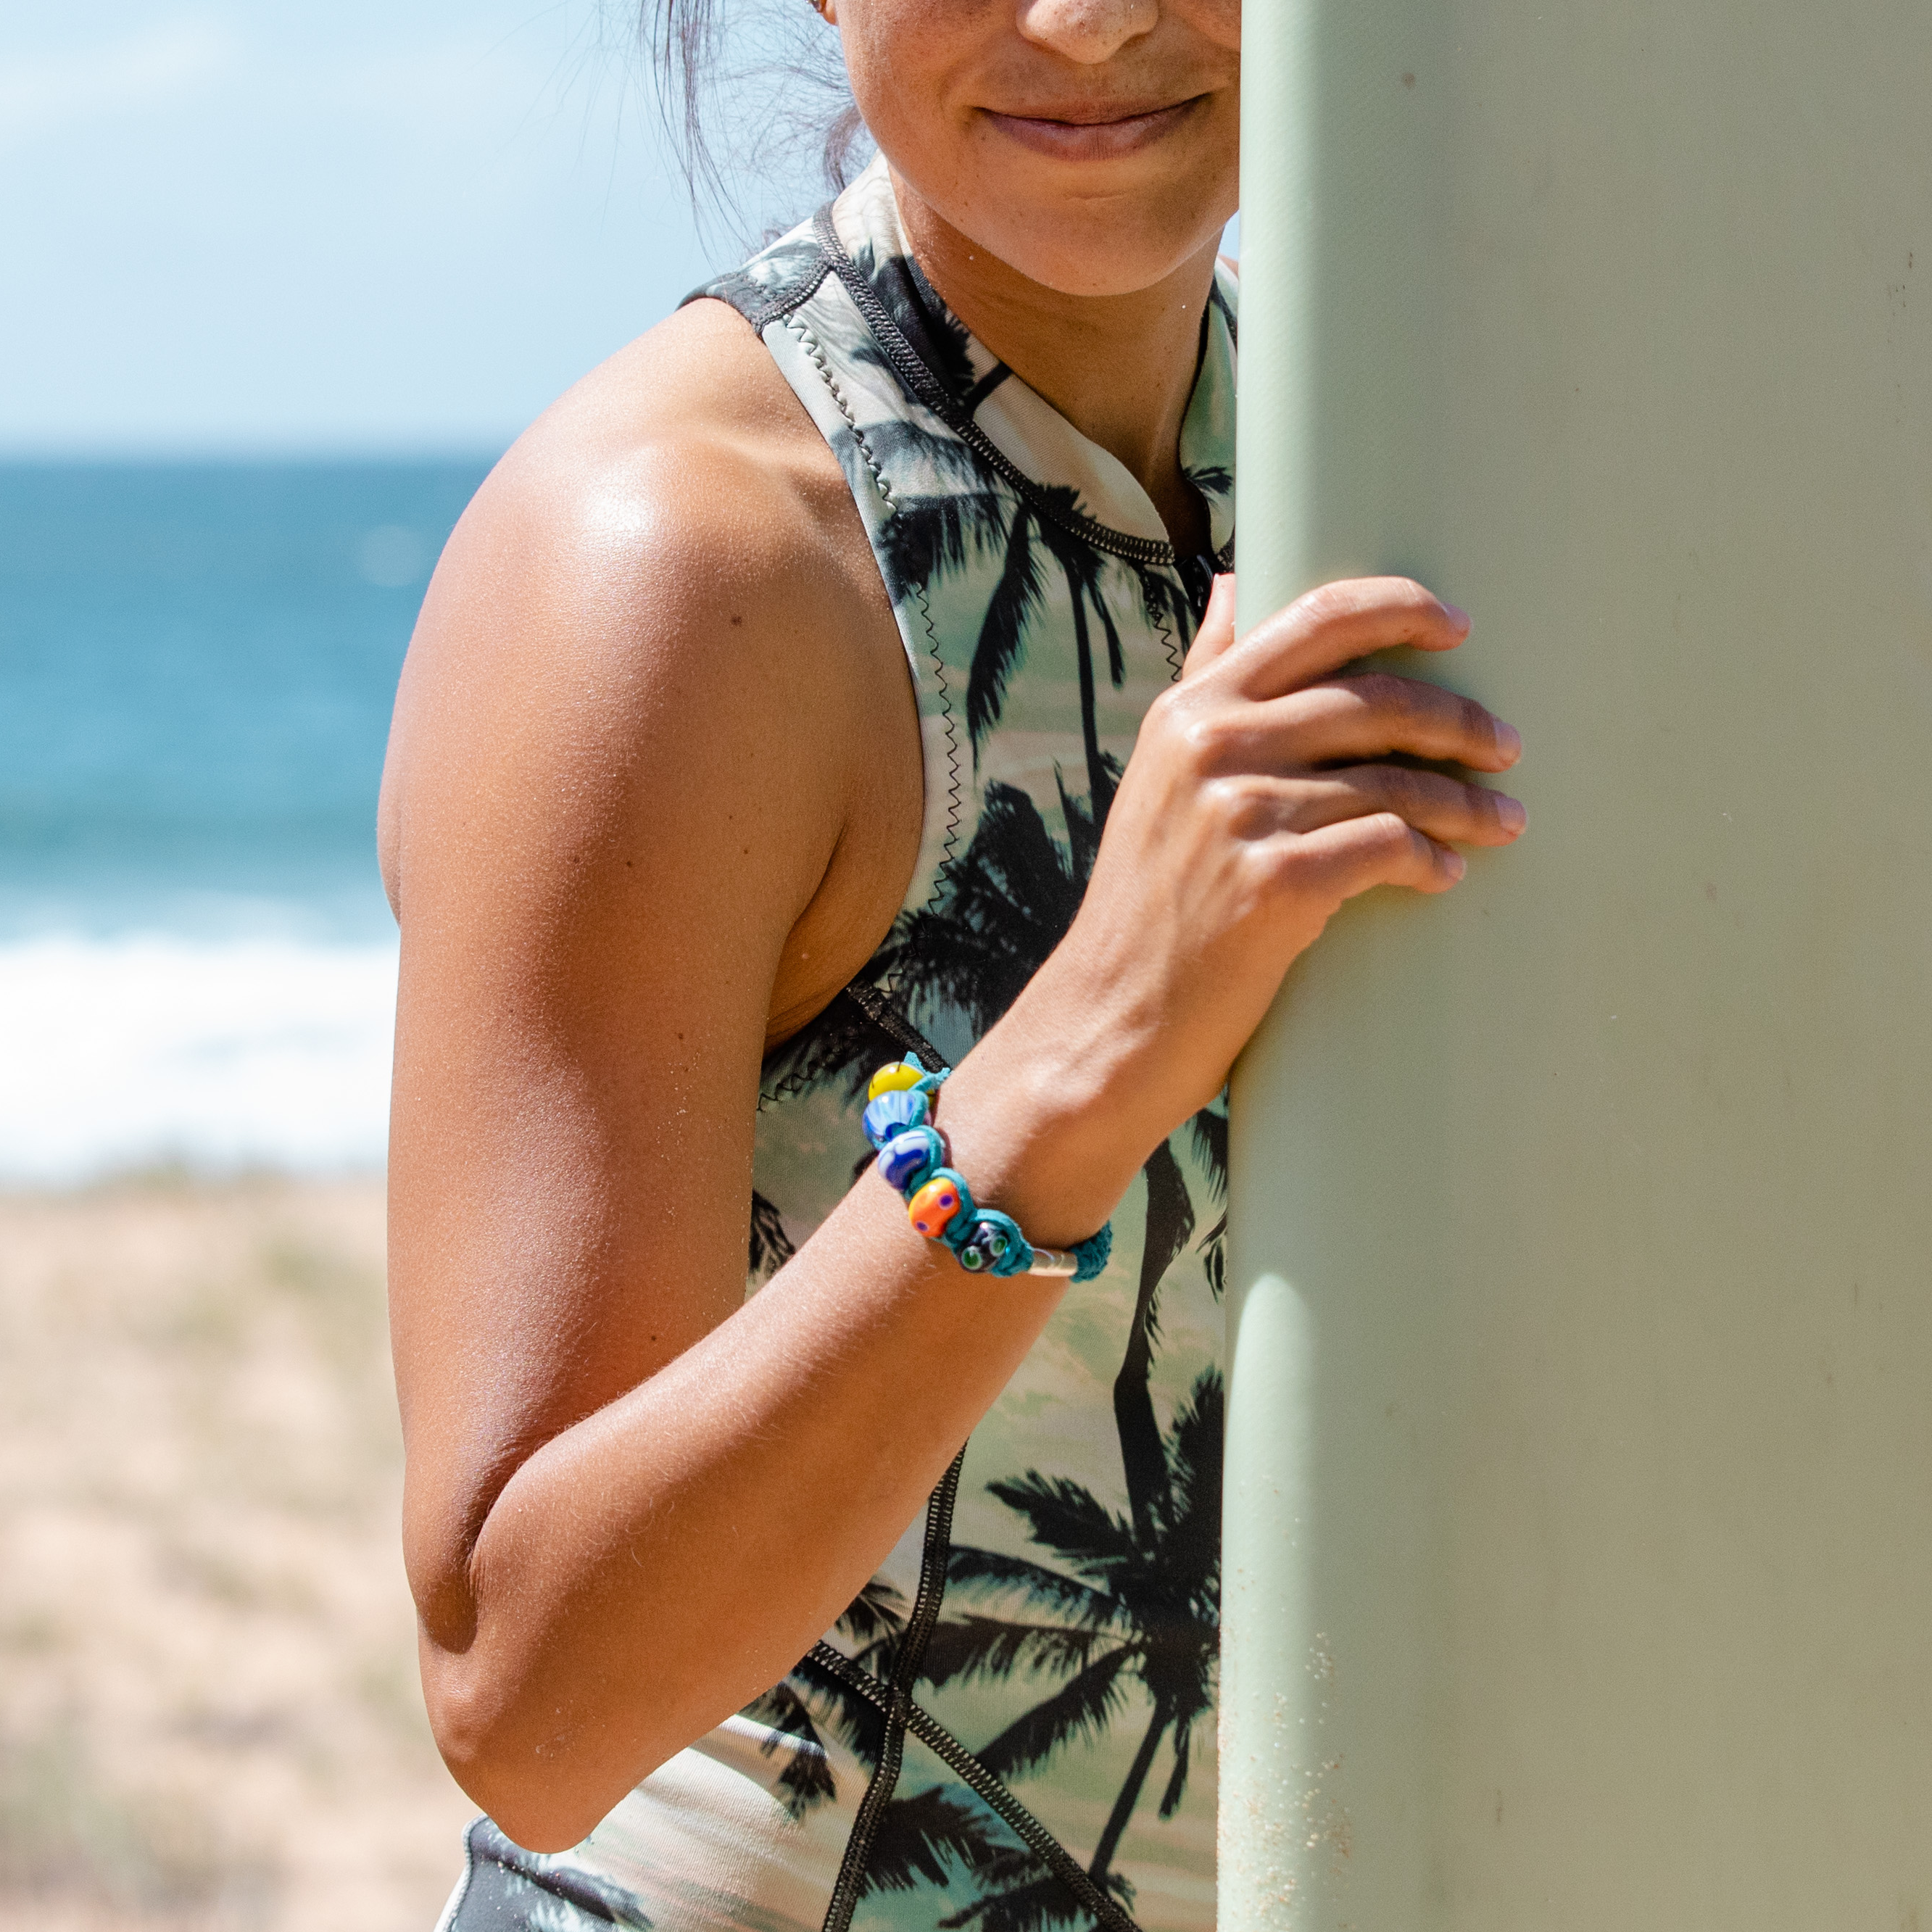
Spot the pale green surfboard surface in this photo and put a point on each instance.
(1580, 1536)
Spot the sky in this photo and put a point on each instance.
(255, 227)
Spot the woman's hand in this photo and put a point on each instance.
(1258, 798)
(640, 808)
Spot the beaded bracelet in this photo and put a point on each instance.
(912, 1158)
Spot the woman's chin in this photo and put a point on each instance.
(1089, 250)
(1088, 241)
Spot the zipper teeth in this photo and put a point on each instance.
(893, 1701)
(945, 1747)
(933, 393)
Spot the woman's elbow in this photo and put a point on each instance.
(542, 1784)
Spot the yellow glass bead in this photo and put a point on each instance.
(932, 1208)
(893, 1079)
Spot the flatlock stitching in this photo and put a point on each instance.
(948, 1748)
(781, 307)
(894, 1698)
(900, 1031)
(927, 388)
(815, 350)
(1170, 644)
(452, 1911)
(794, 1083)
(952, 806)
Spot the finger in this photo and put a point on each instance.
(1352, 721)
(1215, 636)
(1355, 855)
(1336, 623)
(1377, 715)
(1448, 811)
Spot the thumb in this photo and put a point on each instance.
(1217, 633)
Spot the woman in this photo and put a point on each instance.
(804, 689)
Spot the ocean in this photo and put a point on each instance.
(197, 661)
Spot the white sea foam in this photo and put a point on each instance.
(220, 1053)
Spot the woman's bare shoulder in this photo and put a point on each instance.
(701, 375)
(672, 534)
(692, 425)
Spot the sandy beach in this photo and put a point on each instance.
(208, 1710)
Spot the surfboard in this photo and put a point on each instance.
(1579, 1547)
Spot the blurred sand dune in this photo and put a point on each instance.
(208, 1710)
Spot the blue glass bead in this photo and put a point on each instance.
(891, 1114)
(985, 1247)
(902, 1156)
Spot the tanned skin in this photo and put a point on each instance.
(654, 795)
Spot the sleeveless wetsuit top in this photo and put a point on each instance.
(1012, 1728)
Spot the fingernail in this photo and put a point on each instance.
(1509, 741)
(1460, 618)
(1457, 865)
(1510, 814)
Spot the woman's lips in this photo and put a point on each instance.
(1080, 136)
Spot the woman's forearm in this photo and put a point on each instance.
(654, 1567)
(655, 1563)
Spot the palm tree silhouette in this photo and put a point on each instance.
(1210, 1129)
(1006, 905)
(953, 514)
(931, 1838)
(1141, 1604)
(811, 1700)
(770, 1246)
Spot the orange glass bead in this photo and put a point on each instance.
(932, 1208)
(894, 1079)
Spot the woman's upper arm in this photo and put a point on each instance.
(619, 776)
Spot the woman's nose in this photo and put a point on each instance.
(1087, 30)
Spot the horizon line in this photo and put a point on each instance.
(168, 455)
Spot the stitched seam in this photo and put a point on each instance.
(949, 842)
(934, 1560)
(935, 1555)
(795, 1083)
(810, 344)
(844, 1899)
(766, 312)
(927, 388)
(900, 1032)
(998, 1797)
(780, 310)
(453, 1910)
(1169, 644)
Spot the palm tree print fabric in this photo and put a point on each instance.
(1012, 1728)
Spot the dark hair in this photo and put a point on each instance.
(768, 91)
